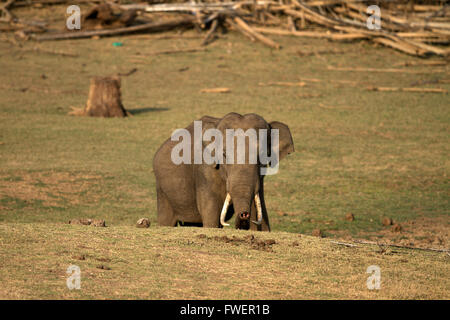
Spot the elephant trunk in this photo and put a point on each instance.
(244, 215)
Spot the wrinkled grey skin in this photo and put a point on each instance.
(193, 194)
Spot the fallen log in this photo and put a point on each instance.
(157, 53)
(421, 63)
(193, 7)
(216, 90)
(389, 70)
(152, 26)
(236, 27)
(51, 52)
(24, 3)
(283, 84)
(209, 36)
(401, 47)
(5, 15)
(311, 34)
(397, 89)
(255, 34)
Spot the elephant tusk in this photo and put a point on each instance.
(258, 210)
(224, 210)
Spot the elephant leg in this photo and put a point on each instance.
(209, 210)
(166, 216)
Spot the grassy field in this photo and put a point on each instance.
(372, 154)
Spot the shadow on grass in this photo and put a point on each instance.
(145, 110)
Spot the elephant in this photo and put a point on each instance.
(208, 194)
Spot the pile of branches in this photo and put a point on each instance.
(419, 28)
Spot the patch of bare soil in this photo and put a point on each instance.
(424, 232)
(263, 245)
(52, 188)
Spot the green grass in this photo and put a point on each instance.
(369, 153)
(373, 154)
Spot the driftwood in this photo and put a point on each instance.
(283, 84)
(102, 17)
(152, 26)
(312, 34)
(236, 27)
(24, 3)
(215, 90)
(393, 89)
(173, 51)
(210, 35)
(414, 29)
(255, 34)
(5, 15)
(389, 70)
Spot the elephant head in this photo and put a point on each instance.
(243, 178)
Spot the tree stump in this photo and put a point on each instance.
(104, 99)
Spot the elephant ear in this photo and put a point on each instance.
(209, 122)
(286, 143)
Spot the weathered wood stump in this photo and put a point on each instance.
(104, 99)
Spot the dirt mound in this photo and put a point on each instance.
(264, 245)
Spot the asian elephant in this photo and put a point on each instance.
(208, 194)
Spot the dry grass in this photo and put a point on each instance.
(192, 263)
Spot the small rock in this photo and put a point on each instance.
(88, 222)
(85, 222)
(396, 227)
(98, 223)
(143, 223)
(349, 216)
(103, 267)
(387, 221)
(250, 237)
(317, 233)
